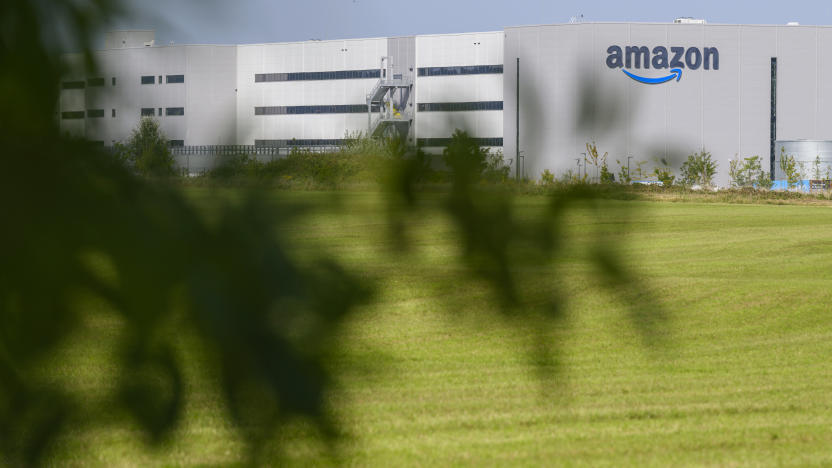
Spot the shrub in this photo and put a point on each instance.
(147, 150)
(469, 162)
(748, 172)
(624, 173)
(790, 168)
(699, 169)
(547, 178)
(664, 173)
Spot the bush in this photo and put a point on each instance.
(147, 150)
(664, 173)
(469, 162)
(547, 178)
(748, 172)
(790, 168)
(699, 169)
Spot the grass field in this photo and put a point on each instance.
(431, 374)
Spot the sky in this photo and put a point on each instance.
(255, 21)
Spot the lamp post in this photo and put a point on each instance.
(578, 162)
(629, 175)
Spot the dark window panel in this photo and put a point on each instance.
(461, 70)
(148, 79)
(72, 115)
(95, 82)
(176, 143)
(439, 142)
(318, 76)
(148, 112)
(460, 106)
(95, 113)
(175, 111)
(114, 113)
(73, 85)
(171, 79)
(298, 143)
(114, 81)
(298, 110)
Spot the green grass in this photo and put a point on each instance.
(431, 374)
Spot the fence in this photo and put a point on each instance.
(197, 160)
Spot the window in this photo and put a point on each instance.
(460, 106)
(73, 85)
(114, 81)
(72, 115)
(318, 76)
(160, 112)
(95, 82)
(175, 111)
(148, 80)
(160, 79)
(296, 110)
(95, 113)
(176, 143)
(461, 70)
(435, 142)
(114, 113)
(148, 112)
(298, 143)
(175, 79)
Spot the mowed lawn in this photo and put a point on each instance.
(431, 373)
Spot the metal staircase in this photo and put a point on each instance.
(389, 110)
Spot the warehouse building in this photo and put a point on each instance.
(641, 92)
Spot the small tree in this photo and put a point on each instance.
(468, 161)
(547, 178)
(147, 148)
(790, 168)
(816, 171)
(664, 173)
(699, 169)
(624, 173)
(748, 172)
(597, 160)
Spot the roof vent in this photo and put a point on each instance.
(689, 20)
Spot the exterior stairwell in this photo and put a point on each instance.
(390, 113)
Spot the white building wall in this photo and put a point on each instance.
(313, 56)
(207, 95)
(451, 50)
(570, 97)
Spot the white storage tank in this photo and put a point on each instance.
(805, 153)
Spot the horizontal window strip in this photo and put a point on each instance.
(318, 76)
(95, 113)
(176, 143)
(175, 111)
(95, 82)
(148, 111)
(460, 106)
(171, 79)
(73, 85)
(461, 70)
(148, 79)
(298, 143)
(300, 110)
(441, 142)
(72, 115)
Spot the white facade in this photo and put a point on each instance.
(206, 96)
(459, 50)
(311, 93)
(570, 95)
(728, 98)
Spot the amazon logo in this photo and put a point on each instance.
(674, 60)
